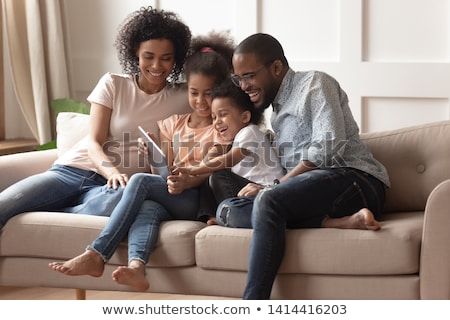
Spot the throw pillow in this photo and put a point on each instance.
(71, 127)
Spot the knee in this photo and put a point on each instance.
(139, 178)
(266, 207)
(235, 212)
(222, 214)
(265, 199)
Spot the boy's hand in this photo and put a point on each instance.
(181, 170)
(251, 189)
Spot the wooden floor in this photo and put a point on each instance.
(17, 293)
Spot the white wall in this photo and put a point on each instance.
(392, 57)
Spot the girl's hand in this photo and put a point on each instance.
(142, 148)
(250, 189)
(177, 183)
(117, 179)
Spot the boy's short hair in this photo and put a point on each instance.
(239, 98)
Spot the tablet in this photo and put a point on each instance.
(156, 157)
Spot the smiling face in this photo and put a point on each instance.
(199, 90)
(257, 79)
(228, 119)
(156, 61)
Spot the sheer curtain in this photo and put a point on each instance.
(34, 32)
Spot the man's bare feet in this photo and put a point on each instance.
(88, 263)
(132, 275)
(363, 219)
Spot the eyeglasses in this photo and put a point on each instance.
(246, 78)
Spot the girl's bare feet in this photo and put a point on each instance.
(363, 219)
(133, 275)
(88, 263)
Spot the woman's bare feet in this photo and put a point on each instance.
(363, 219)
(133, 275)
(88, 263)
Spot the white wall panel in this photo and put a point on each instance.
(308, 30)
(203, 16)
(407, 30)
(383, 113)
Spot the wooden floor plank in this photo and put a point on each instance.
(19, 293)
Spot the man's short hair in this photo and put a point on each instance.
(264, 46)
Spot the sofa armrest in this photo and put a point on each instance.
(435, 253)
(15, 167)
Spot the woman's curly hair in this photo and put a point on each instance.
(147, 24)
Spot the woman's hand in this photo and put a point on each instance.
(117, 179)
(250, 189)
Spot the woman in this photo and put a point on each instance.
(152, 46)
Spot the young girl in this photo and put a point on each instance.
(252, 158)
(186, 138)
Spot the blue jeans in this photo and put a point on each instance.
(221, 185)
(144, 205)
(235, 212)
(54, 190)
(301, 202)
(226, 184)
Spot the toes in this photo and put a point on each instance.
(57, 266)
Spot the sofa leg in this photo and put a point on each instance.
(80, 294)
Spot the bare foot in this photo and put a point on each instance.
(133, 276)
(211, 222)
(88, 263)
(363, 219)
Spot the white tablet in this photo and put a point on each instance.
(156, 156)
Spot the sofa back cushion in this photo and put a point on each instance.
(417, 159)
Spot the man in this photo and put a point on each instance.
(332, 179)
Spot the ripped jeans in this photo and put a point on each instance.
(302, 201)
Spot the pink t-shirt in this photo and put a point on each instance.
(189, 145)
(131, 107)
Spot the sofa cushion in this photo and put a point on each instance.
(61, 236)
(393, 250)
(71, 127)
(417, 160)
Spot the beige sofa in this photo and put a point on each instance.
(409, 258)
